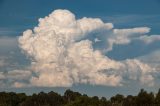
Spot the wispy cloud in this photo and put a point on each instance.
(7, 31)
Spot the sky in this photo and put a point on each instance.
(95, 47)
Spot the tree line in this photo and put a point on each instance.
(71, 98)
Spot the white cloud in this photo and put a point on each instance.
(18, 85)
(150, 39)
(153, 59)
(15, 78)
(125, 36)
(18, 74)
(140, 71)
(147, 79)
(62, 55)
(96, 40)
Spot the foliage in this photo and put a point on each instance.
(71, 98)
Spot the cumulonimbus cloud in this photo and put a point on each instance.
(62, 53)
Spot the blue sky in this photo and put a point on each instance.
(16, 16)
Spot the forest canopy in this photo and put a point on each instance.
(71, 98)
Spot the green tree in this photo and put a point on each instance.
(157, 99)
(118, 99)
(144, 98)
(130, 101)
(70, 95)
